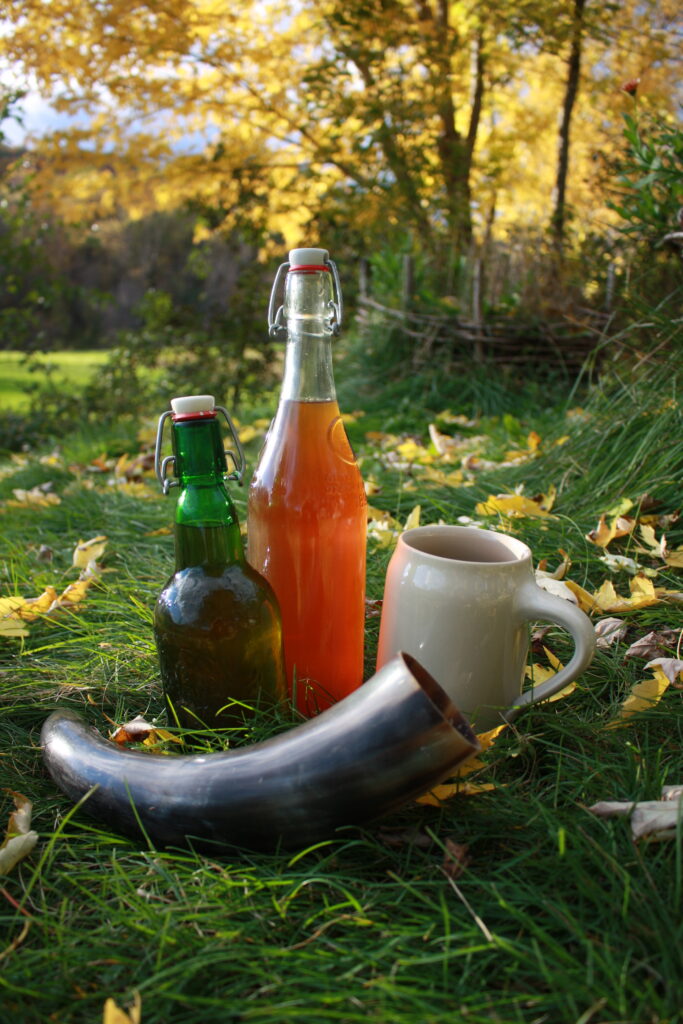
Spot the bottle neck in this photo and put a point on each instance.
(308, 311)
(206, 529)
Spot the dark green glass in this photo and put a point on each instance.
(216, 622)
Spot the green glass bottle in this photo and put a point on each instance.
(216, 622)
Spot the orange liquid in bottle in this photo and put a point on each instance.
(307, 536)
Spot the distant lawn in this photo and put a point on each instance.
(75, 367)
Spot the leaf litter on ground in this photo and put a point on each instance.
(17, 612)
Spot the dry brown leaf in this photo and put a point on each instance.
(134, 731)
(405, 837)
(609, 631)
(456, 858)
(655, 644)
(654, 819)
(138, 730)
(560, 588)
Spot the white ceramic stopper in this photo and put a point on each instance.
(193, 403)
(308, 257)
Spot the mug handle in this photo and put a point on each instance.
(535, 603)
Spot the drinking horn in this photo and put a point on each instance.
(389, 741)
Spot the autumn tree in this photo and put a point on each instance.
(427, 117)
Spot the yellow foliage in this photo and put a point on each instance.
(246, 75)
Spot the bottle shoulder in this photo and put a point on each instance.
(223, 590)
(307, 450)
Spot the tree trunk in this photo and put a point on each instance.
(455, 150)
(558, 220)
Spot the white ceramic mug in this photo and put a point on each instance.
(460, 599)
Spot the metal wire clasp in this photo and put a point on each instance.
(276, 325)
(162, 466)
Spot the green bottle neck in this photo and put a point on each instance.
(207, 531)
(308, 372)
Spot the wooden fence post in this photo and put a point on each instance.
(476, 311)
(408, 281)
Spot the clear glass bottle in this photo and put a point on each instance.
(307, 513)
(216, 622)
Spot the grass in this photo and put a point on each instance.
(558, 916)
(16, 376)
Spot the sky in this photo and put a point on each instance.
(36, 116)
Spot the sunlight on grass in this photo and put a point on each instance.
(72, 368)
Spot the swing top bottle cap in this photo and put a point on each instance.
(193, 405)
(307, 258)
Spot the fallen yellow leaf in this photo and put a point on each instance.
(371, 487)
(87, 551)
(35, 498)
(19, 837)
(12, 627)
(604, 533)
(34, 607)
(413, 518)
(454, 478)
(113, 1014)
(135, 490)
(642, 596)
(435, 797)
(9, 605)
(541, 673)
(606, 598)
(414, 452)
(457, 787)
(644, 695)
(515, 506)
(73, 595)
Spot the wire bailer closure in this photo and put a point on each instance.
(276, 325)
(162, 467)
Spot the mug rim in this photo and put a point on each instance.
(519, 551)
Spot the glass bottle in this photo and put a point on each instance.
(307, 512)
(216, 622)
